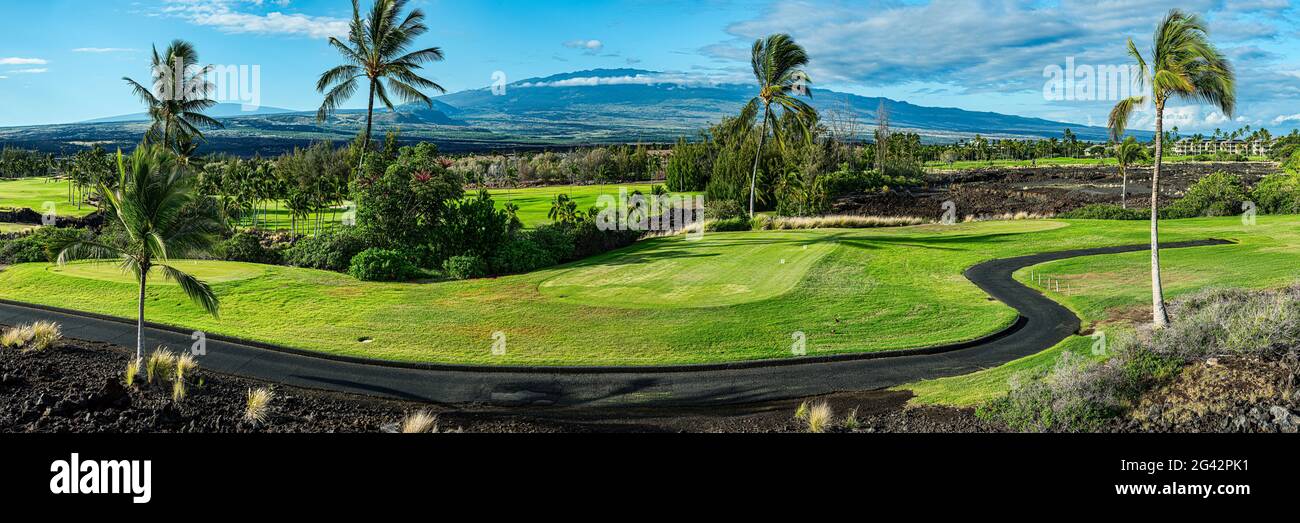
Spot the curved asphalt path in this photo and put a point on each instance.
(1043, 324)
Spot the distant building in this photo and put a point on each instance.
(1191, 147)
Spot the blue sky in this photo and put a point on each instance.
(62, 60)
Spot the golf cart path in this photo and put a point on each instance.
(1043, 323)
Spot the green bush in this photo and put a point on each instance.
(41, 245)
(382, 265)
(471, 226)
(688, 167)
(1278, 194)
(740, 223)
(724, 210)
(519, 255)
(247, 247)
(846, 181)
(332, 250)
(464, 267)
(1217, 194)
(1103, 211)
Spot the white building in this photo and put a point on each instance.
(1190, 147)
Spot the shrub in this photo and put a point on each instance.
(558, 241)
(520, 254)
(801, 413)
(1278, 194)
(258, 407)
(375, 264)
(1217, 194)
(41, 245)
(464, 267)
(724, 209)
(248, 247)
(729, 225)
(1104, 211)
(471, 226)
(851, 421)
(847, 181)
(820, 417)
(44, 335)
(420, 422)
(332, 250)
(408, 202)
(688, 167)
(1076, 394)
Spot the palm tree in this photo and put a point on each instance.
(1128, 152)
(777, 63)
(180, 95)
(374, 51)
(1184, 65)
(151, 201)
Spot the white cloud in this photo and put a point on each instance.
(225, 16)
(590, 46)
(1215, 118)
(23, 61)
(640, 79)
(30, 71)
(1283, 118)
(102, 50)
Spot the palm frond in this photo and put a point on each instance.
(198, 291)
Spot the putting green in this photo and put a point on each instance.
(212, 272)
(715, 270)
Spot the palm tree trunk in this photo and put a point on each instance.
(1160, 314)
(1123, 191)
(370, 115)
(753, 178)
(139, 324)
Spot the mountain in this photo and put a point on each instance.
(577, 108)
(218, 111)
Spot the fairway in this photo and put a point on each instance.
(535, 202)
(687, 274)
(660, 301)
(212, 272)
(33, 193)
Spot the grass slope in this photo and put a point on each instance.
(32, 193)
(1107, 290)
(857, 290)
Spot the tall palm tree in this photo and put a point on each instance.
(778, 62)
(376, 50)
(1127, 152)
(180, 94)
(150, 201)
(1187, 66)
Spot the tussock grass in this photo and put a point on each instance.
(44, 335)
(820, 417)
(851, 421)
(186, 366)
(801, 413)
(160, 366)
(841, 221)
(258, 408)
(1008, 216)
(132, 370)
(420, 422)
(17, 337)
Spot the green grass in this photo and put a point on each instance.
(33, 193)
(657, 301)
(16, 227)
(1110, 290)
(213, 272)
(535, 202)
